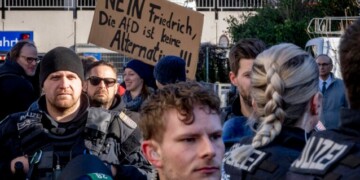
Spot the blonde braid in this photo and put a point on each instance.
(284, 78)
(274, 115)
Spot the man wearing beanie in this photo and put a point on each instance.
(169, 70)
(59, 126)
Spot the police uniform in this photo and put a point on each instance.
(93, 131)
(269, 162)
(332, 154)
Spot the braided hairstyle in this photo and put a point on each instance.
(284, 79)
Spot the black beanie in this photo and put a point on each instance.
(170, 69)
(60, 59)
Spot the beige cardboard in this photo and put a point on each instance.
(148, 29)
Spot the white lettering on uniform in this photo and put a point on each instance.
(325, 153)
(248, 164)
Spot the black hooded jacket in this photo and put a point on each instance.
(16, 89)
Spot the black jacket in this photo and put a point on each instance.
(93, 130)
(332, 153)
(16, 89)
(269, 162)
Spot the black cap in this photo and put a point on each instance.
(60, 59)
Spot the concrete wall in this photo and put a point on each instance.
(58, 28)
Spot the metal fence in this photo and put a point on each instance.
(68, 4)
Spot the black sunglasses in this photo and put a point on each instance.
(109, 82)
(31, 59)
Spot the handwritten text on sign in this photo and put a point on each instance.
(148, 29)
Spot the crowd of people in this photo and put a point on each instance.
(291, 118)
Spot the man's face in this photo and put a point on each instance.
(102, 94)
(192, 151)
(325, 65)
(242, 79)
(28, 59)
(62, 90)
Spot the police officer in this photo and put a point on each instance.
(335, 153)
(102, 89)
(286, 101)
(60, 126)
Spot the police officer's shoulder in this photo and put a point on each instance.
(323, 151)
(99, 119)
(251, 162)
(9, 125)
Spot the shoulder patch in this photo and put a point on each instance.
(249, 164)
(318, 155)
(127, 120)
(28, 119)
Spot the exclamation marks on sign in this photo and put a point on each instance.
(187, 57)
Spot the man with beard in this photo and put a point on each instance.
(241, 59)
(101, 85)
(102, 89)
(181, 127)
(61, 126)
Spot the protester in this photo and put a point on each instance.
(333, 91)
(241, 59)
(286, 101)
(60, 126)
(16, 75)
(182, 132)
(334, 154)
(169, 70)
(139, 81)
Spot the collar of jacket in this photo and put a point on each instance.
(236, 106)
(40, 106)
(291, 137)
(115, 106)
(12, 67)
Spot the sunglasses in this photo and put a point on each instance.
(31, 59)
(109, 82)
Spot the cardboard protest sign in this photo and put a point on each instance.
(148, 29)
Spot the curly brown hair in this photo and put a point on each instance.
(182, 96)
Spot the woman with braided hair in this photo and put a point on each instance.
(286, 101)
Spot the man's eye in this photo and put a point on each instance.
(215, 136)
(55, 78)
(188, 139)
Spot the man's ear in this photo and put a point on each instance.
(152, 152)
(316, 104)
(232, 78)
(85, 86)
